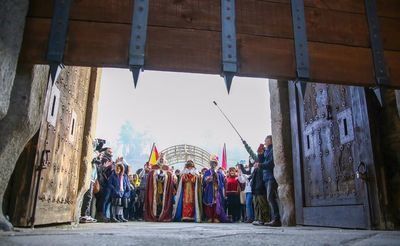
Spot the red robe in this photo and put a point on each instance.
(150, 204)
(188, 183)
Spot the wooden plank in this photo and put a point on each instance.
(386, 8)
(187, 50)
(336, 216)
(254, 17)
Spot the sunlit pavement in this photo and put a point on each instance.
(142, 233)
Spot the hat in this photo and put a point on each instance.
(214, 158)
(261, 148)
(242, 162)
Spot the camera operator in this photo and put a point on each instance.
(94, 184)
(104, 170)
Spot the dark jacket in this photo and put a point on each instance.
(267, 165)
(257, 182)
(266, 161)
(114, 185)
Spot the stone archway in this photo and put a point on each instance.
(184, 152)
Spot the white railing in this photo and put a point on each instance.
(182, 153)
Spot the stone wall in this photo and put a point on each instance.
(88, 137)
(282, 140)
(21, 122)
(12, 23)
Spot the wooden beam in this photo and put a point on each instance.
(333, 22)
(386, 8)
(188, 50)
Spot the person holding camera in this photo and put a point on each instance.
(88, 196)
(104, 171)
(244, 178)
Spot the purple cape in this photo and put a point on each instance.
(209, 198)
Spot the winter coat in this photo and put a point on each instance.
(257, 182)
(114, 185)
(267, 165)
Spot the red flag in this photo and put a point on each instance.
(224, 163)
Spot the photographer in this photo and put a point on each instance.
(105, 169)
(94, 184)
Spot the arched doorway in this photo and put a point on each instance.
(181, 153)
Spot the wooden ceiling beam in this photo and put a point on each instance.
(198, 51)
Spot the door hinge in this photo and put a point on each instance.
(138, 38)
(229, 49)
(58, 36)
(300, 44)
(380, 68)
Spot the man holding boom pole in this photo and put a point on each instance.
(271, 185)
(267, 165)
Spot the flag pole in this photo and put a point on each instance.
(151, 151)
(148, 162)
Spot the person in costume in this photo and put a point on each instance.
(188, 203)
(213, 193)
(159, 192)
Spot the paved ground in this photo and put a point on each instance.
(141, 233)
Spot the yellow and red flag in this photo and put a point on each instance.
(153, 155)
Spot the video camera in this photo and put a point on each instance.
(98, 146)
(99, 143)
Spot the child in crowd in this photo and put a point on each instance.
(120, 192)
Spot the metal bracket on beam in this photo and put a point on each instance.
(380, 69)
(300, 44)
(58, 36)
(229, 52)
(138, 38)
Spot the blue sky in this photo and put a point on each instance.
(176, 108)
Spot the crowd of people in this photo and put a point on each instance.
(158, 193)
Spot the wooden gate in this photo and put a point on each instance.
(334, 142)
(52, 193)
(59, 148)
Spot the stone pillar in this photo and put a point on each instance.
(390, 141)
(89, 135)
(21, 122)
(12, 24)
(282, 141)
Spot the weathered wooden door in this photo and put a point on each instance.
(332, 144)
(53, 197)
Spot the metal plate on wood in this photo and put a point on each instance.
(53, 105)
(308, 141)
(346, 128)
(228, 38)
(300, 39)
(138, 37)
